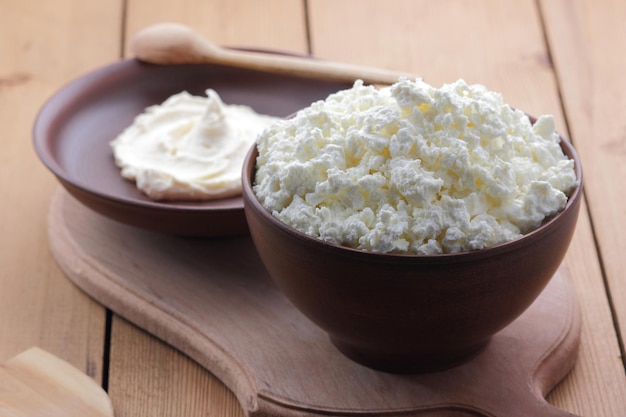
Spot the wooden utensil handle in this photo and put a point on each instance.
(312, 68)
(173, 43)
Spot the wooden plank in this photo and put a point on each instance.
(43, 45)
(582, 39)
(272, 24)
(587, 42)
(148, 377)
(498, 45)
(501, 45)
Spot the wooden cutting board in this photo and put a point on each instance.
(213, 300)
(37, 383)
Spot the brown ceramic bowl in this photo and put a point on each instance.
(74, 127)
(409, 313)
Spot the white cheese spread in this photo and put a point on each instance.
(410, 168)
(188, 147)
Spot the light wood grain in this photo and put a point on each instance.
(42, 45)
(36, 383)
(501, 45)
(587, 42)
(273, 24)
(582, 39)
(170, 383)
(496, 44)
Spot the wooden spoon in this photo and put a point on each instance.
(36, 383)
(173, 43)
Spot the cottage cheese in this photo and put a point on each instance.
(189, 147)
(413, 169)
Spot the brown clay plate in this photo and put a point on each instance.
(74, 127)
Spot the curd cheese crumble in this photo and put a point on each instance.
(414, 169)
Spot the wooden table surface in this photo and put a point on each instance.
(564, 57)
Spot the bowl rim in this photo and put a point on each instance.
(76, 88)
(92, 95)
(251, 202)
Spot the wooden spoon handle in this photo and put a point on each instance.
(309, 68)
(172, 43)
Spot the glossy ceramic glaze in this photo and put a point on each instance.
(409, 313)
(75, 126)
